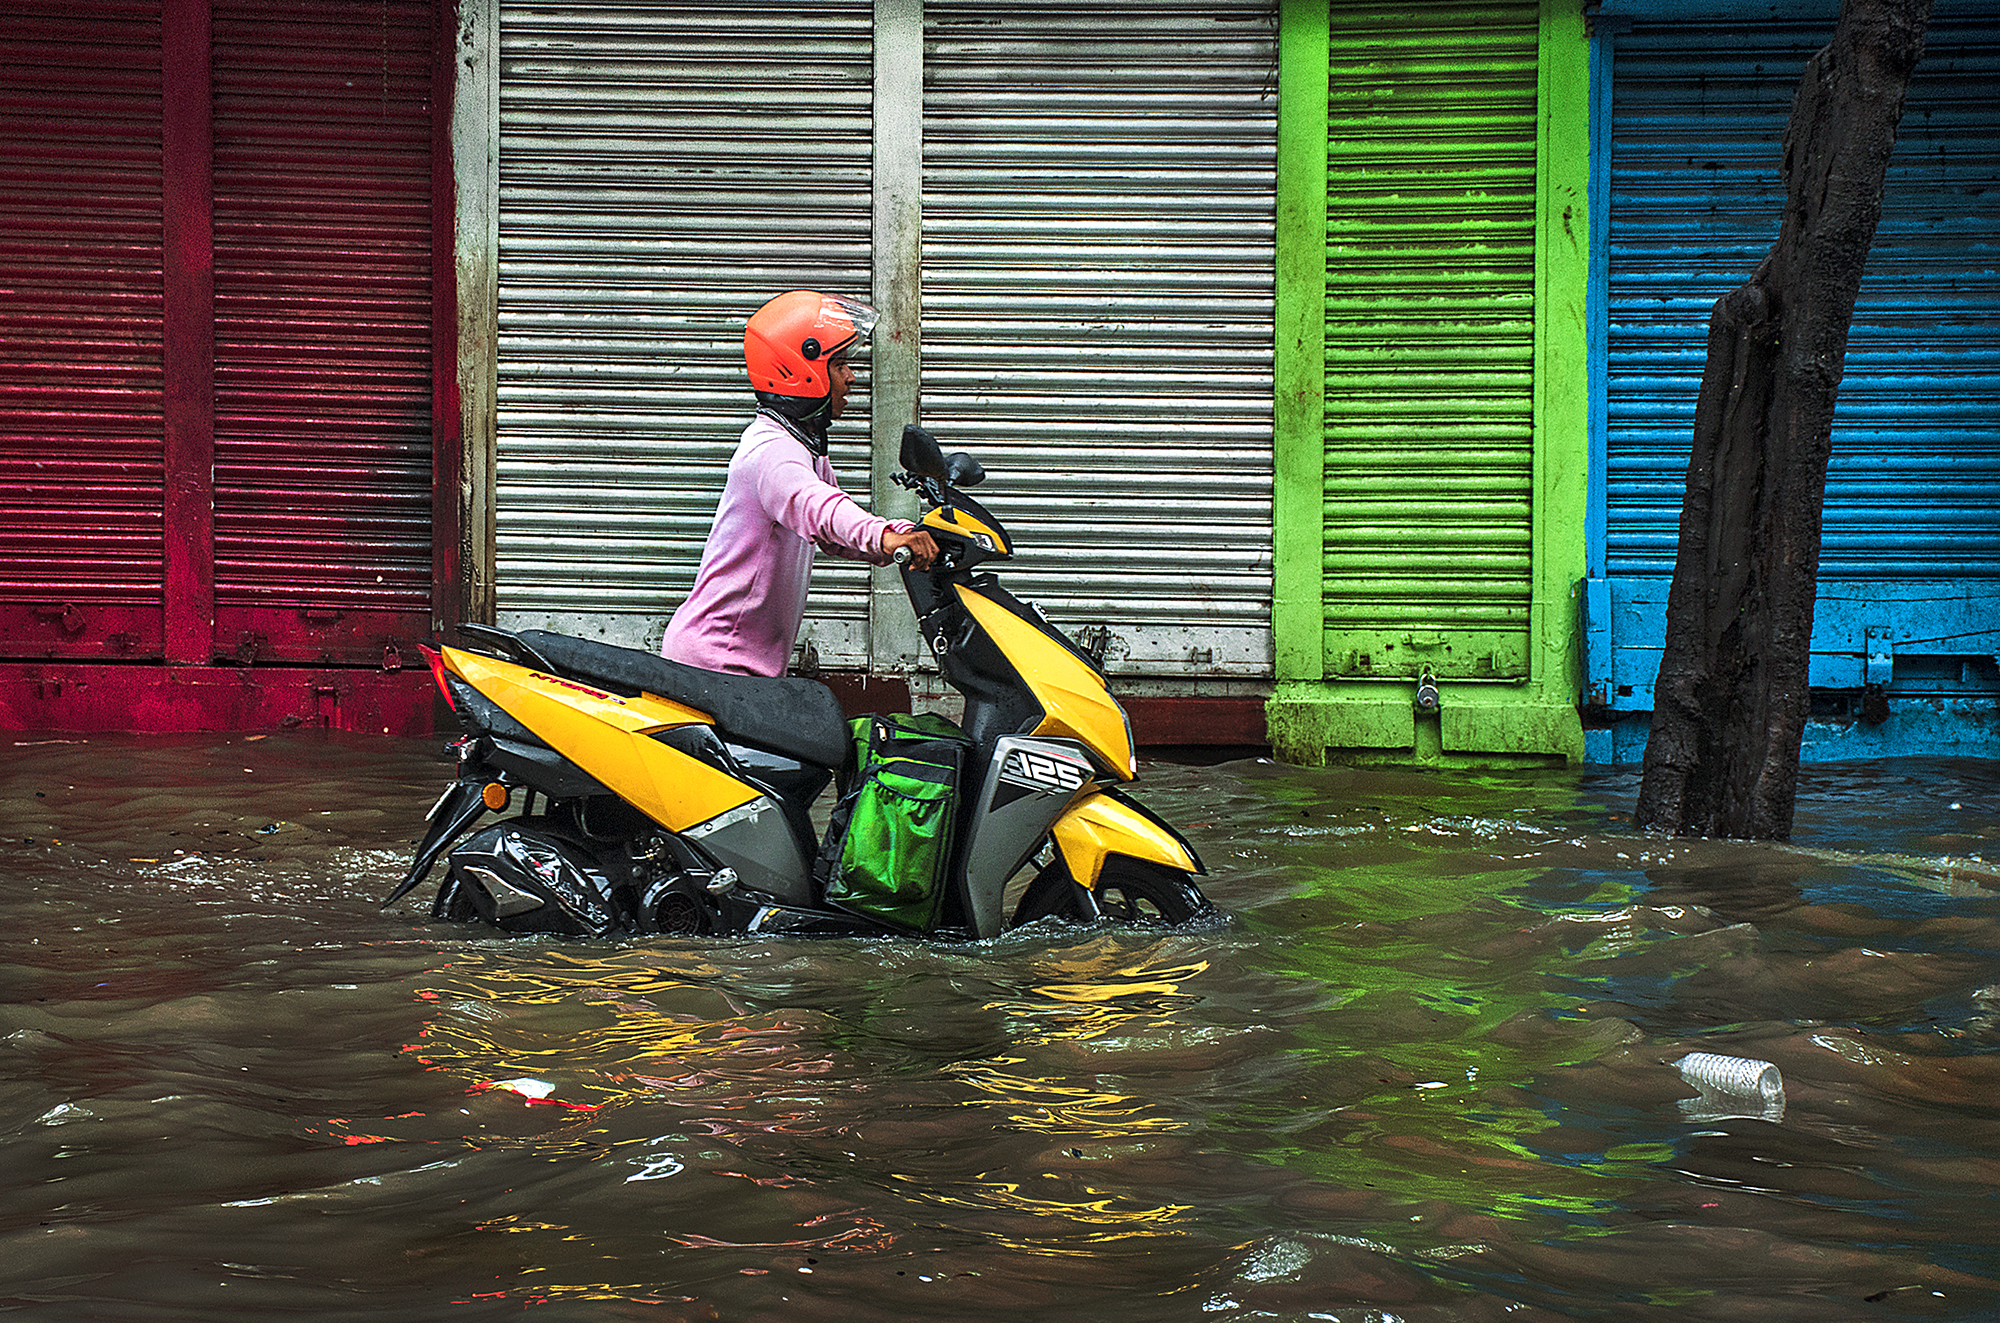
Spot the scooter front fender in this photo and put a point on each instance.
(1104, 823)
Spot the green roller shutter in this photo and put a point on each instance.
(1430, 291)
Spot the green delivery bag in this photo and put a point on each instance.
(890, 843)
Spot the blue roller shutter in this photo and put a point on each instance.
(1910, 572)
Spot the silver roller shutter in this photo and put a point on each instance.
(664, 168)
(1097, 309)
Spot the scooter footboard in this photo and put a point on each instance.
(1105, 823)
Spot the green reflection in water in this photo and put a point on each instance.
(1439, 1018)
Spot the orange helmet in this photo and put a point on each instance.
(787, 341)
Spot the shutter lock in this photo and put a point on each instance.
(64, 614)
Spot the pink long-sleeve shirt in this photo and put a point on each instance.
(779, 503)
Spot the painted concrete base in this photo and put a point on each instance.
(87, 697)
(1314, 724)
(1936, 727)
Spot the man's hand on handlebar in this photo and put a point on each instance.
(914, 548)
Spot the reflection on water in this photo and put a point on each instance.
(1425, 1073)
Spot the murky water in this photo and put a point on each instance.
(1424, 1073)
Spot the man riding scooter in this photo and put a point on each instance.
(671, 794)
(781, 499)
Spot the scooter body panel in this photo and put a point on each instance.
(1100, 825)
(1076, 704)
(610, 738)
(754, 839)
(1027, 785)
(966, 519)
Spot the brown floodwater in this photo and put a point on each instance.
(1425, 1070)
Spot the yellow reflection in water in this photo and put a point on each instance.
(1088, 1003)
(1157, 989)
(1115, 1217)
(1057, 1107)
(1100, 1013)
(587, 1019)
(1096, 1015)
(611, 1028)
(554, 974)
(585, 1023)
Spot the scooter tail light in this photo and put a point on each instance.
(438, 673)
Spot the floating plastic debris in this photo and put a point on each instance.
(1732, 1087)
(538, 1093)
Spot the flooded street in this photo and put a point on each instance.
(1426, 1071)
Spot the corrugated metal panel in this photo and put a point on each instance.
(322, 340)
(80, 376)
(1097, 308)
(664, 169)
(1430, 334)
(1698, 117)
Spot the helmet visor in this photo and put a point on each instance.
(847, 323)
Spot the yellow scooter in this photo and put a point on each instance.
(653, 797)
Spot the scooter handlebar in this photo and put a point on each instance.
(902, 556)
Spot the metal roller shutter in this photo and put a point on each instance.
(322, 328)
(1911, 560)
(1097, 309)
(81, 423)
(1430, 340)
(664, 169)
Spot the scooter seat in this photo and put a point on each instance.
(790, 715)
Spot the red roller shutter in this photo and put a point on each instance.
(80, 330)
(322, 328)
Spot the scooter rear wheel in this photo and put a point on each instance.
(1129, 891)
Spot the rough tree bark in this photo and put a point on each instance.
(1731, 702)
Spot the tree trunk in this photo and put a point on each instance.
(1731, 702)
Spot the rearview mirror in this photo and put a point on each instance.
(921, 453)
(923, 456)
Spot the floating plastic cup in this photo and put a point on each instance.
(1712, 1073)
(1732, 1087)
